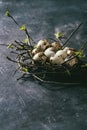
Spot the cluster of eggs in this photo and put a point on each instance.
(52, 52)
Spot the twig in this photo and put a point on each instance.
(71, 57)
(21, 76)
(14, 20)
(52, 39)
(16, 71)
(83, 47)
(26, 31)
(71, 35)
(29, 37)
(3, 45)
(13, 52)
(51, 82)
(11, 59)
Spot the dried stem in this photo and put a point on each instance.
(71, 35)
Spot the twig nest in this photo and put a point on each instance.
(42, 45)
(53, 53)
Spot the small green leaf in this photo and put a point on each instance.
(7, 13)
(26, 40)
(22, 28)
(11, 46)
(58, 35)
(85, 65)
(79, 53)
(25, 70)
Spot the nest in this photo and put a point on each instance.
(38, 63)
(49, 61)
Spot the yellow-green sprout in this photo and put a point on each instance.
(23, 27)
(85, 65)
(11, 46)
(79, 53)
(26, 40)
(7, 13)
(58, 35)
(25, 70)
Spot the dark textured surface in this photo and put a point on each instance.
(29, 105)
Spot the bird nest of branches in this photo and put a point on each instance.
(49, 60)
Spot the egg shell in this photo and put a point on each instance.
(56, 60)
(42, 45)
(37, 56)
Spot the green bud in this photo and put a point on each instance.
(26, 40)
(79, 53)
(22, 28)
(25, 70)
(7, 13)
(58, 35)
(11, 46)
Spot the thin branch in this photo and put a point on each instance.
(11, 59)
(83, 47)
(14, 20)
(71, 57)
(26, 31)
(51, 82)
(13, 52)
(71, 35)
(3, 45)
(16, 71)
(21, 76)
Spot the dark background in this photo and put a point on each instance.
(30, 105)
